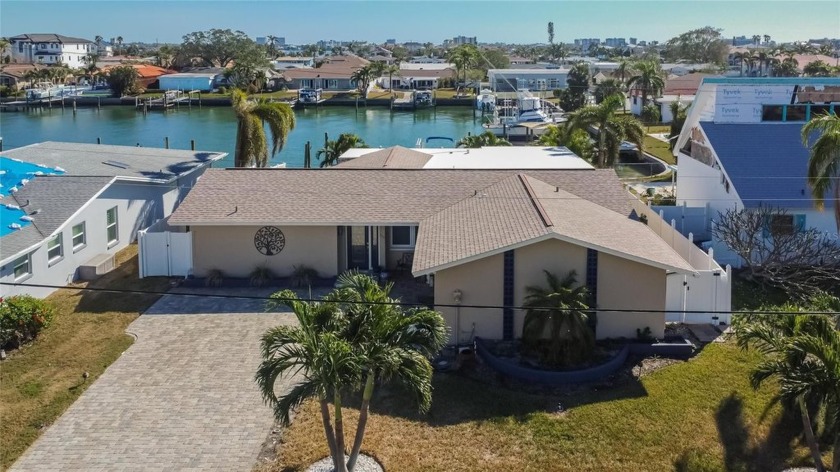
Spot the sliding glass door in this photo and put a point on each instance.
(362, 247)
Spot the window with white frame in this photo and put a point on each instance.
(55, 248)
(79, 238)
(111, 226)
(403, 236)
(22, 267)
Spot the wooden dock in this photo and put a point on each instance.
(168, 100)
(21, 105)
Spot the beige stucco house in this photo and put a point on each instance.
(481, 234)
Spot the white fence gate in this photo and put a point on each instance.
(706, 296)
(164, 253)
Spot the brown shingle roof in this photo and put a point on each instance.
(685, 85)
(520, 210)
(340, 196)
(341, 67)
(395, 157)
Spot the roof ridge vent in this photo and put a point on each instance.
(535, 201)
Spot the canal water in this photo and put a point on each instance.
(214, 128)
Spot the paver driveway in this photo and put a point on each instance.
(182, 397)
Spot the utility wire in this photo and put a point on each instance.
(410, 305)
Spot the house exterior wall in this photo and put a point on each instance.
(480, 283)
(71, 55)
(174, 82)
(326, 84)
(628, 285)
(555, 256)
(622, 284)
(231, 250)
(503, 80)
(138, 205)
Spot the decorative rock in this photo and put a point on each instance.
(364, 464)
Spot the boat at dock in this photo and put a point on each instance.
(526, 116)
(309, 97)
(48, 90)
(414, 100)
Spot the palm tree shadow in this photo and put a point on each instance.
(457, 399)
(772, 453)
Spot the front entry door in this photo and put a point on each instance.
(362, 247)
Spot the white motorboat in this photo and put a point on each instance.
(43, 90)
(527, 115)
(485, 101)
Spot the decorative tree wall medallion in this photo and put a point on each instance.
(269, 240)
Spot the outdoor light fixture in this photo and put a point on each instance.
(456, 295)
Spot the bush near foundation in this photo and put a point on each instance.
(22, 317)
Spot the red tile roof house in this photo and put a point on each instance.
(483, 233)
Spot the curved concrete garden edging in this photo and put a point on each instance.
(548, 377)
(672, 349)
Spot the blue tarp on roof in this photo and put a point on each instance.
(766, 162)
(15, 174)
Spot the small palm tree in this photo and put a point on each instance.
(558, 313)
(824, 163)
(332, 150)
(362, 76)
(613, 129)
(485, 139)
(252, 116)
(803, 353)
(396, 345)
(314, 350)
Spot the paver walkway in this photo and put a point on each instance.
(182, 397)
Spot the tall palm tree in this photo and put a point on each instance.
(391, 70)
(824, 163)
(485, 139)
(119, 45)
(803, 353)
(623, 69)
(741, 57)
(332, 150)
(464, 57)
(648, 79)
(558, 313)
(271, 46)
(395, 344)
(252, 116)
(613, 129)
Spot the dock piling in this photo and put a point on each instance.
(98, 140)
(192, 144)
(166, 142)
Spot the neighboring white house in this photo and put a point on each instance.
(203, 81)
(663, 103)
(741, 147)
(293, 62)
(510, 80)
(50, 49)
(81, 204)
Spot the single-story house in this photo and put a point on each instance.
(483, 233)
(417, 78)
(12, 75)
(67, 205)
(203, 81)
(147, 74)
(333, 74)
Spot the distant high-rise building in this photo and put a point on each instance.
(615, 42)
(585, 43)
(741, 40)
(633, 41)
(459, 40)
(261, 40)
(391, 42)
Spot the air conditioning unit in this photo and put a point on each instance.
(96, 267)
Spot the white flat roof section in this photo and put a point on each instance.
(502, 157)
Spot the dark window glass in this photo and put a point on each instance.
(771, 113)
(796, 113)
(817, 110)
(781, 224)
(401, 236)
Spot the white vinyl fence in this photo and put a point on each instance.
(705, 297)
(164, 250)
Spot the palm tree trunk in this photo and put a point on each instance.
(240, 136)
(602, 146)
(809, 436)
(835, 460)
(328, 429)
(363, 416)
(339, 461)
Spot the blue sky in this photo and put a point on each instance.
(506, 21)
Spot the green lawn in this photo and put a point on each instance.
(659, 149)
(692, 416)
(39, 382)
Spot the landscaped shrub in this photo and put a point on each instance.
(215, 277)
(303, 276)
(261, 276)
(22, 317)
